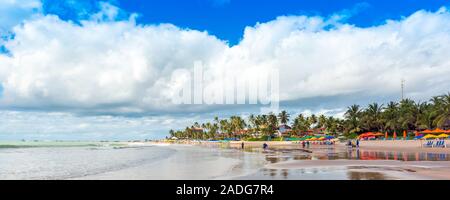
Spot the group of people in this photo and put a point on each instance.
(305, 144)
(350, 143)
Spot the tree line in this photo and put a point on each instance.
(394, 116)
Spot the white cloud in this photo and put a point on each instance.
(13, 12)
(121, 67)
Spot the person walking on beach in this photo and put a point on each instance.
(265, 146)
(307, 144)
(242, 145)
(303, 144)
(357, 143)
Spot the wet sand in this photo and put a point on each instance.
(188, 163)
(403, 160)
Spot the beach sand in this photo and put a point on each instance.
(373, 160)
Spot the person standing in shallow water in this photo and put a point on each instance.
(265, 146)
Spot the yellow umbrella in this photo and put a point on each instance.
(429, 136)
(443, 135)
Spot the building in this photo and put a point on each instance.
(283, 130)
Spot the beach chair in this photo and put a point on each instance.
(440, 144)
(428, 144)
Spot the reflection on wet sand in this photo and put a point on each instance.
(274, 155)
(309, 165)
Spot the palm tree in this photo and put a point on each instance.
(172, 133)
(372, 118)
(237, 124)
(283, 116)
(390, 116)
(312, 119)
(352, 117)
(407, 114)
(300, 124)
(322, 121)
(442, 106)
(425, 117)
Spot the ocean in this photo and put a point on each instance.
(59, 160)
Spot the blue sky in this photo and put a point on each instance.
(227, 19)
(86, 69)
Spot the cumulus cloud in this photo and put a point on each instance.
(13, 12)
(107, 66)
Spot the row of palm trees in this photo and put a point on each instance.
(394, 116)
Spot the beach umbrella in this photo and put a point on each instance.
(417, 133)
(429, 136)
(443, 135)
(395, 135)
(438, 130)
(404, 134)
(386, 135)
(427, 131)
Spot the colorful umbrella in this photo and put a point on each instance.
(429, 136)
(443, 135)
(418, 137)
(438, 130)
(427, 131)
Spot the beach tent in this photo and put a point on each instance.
(430, 136)
(443, 135)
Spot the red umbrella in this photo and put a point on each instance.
(395, 135)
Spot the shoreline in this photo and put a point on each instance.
(377, 145)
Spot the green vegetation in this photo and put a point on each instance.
(394, 116)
